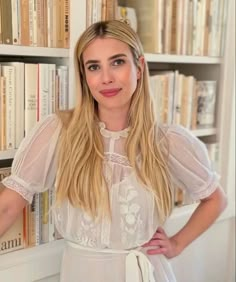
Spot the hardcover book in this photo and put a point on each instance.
(13, 239)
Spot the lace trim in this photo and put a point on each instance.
(118, 159)
(113, 134)
(15, 186)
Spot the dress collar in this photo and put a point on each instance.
(113, 134)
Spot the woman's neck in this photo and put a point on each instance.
(114, 120)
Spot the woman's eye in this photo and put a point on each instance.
(118, 62)
(93, 67)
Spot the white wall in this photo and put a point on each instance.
(211, 258)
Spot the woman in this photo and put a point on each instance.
(114, 168)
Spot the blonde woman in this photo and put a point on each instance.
(113, 167)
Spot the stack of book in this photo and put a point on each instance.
(34, 226)
(183, 100)
(183, 27)
(28, 93)
(43, 23)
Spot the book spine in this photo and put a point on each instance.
(9, 73)
(25, 22)
(6, 15)
(31, 90)
(3, 114)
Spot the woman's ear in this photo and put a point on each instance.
(141, 64)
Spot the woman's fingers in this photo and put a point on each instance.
(156, 251)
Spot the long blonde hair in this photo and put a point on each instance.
(81, 153)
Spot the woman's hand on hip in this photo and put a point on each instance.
(162, 244)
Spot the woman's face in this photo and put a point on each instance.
(110, 73)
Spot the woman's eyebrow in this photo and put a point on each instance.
(117, 56)
(110, 58)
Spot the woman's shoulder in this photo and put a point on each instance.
(176, 132)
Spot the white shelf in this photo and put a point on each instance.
(181, 59)
(204, 131)
(9, 154)
(41, 263)
(29, 254)
(16, 50)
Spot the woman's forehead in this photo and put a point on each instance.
(106, 47)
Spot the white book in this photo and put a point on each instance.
(2, 113)
(202, 27)
(62, 72)
(31, 96)
(167, 25)
(179, 26)
(195, 7)
(214, 10)
(177, 97)
(170, 94)
(184, 28)
(186, 103)
(19, 98)
(206, 93)
(50, 22)
(52, 88)
(43, 89)
(9, 73)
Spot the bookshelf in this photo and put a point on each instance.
(181, 59)
(7, 154)
(28, 51)
(42, 263)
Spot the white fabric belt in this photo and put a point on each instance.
(135, 262)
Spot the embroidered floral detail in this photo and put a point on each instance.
(118, 159)
(87, 234)
(130, 214)
(12, 184)
(113, 134)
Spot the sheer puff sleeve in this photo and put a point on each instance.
(189, 163)
(34, 165)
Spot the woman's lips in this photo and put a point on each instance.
(110, 92)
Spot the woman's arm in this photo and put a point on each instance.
(11, 205)
(202, 218)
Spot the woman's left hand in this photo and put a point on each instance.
(162, 244)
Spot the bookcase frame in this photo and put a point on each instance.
(42, 263)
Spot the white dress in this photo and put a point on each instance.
(108, 251)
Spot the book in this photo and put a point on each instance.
(24, 4)
(19, 101)
(2, 113)
(150, 16)
(9, 73)
(128, 14)
(206, 93)
(6, 21)
(31, 96)
(13, 238)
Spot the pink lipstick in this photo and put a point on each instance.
(110, 92)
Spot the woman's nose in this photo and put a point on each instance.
(107, 76)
